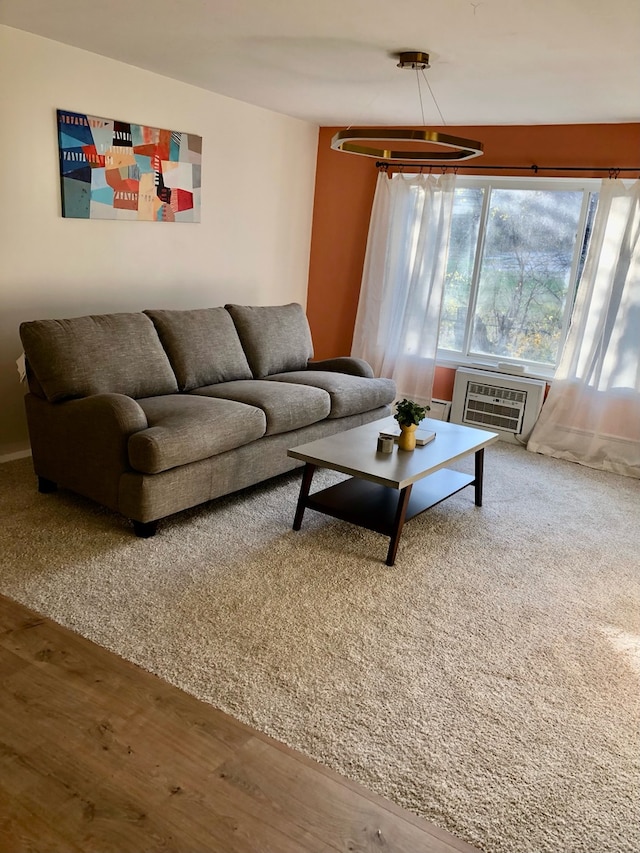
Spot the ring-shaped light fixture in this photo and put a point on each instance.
(355, 140)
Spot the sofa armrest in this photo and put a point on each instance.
(117, 413)
(82, 444)
(343, 364)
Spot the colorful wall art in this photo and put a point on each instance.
(116, 170)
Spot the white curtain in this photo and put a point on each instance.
(592, 413)
(398, 315)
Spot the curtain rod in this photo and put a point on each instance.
(614, 171)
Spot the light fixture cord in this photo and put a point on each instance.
(432, 95)
(420, 96)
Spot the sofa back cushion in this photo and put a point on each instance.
(275, 338)
(203, 346)
(117, 353)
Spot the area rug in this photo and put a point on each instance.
(489, 681)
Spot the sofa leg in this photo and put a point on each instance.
(46, 486)
(145, 529)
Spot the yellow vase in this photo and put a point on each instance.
(407, 439)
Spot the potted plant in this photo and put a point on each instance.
(409, 414)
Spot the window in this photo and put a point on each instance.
(516, 250)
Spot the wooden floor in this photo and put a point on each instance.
(98, 755)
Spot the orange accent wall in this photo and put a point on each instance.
(345, 184)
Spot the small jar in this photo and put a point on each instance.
(385, 444)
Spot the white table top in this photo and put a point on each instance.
(354, 451)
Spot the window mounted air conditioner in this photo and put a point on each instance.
(498, 402)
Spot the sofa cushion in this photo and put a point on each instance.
(350, 395)
(184, 429)
(286, 407)
(117, 353)
(274, 337)
(203, 346)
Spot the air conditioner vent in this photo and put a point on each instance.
(500, 393)
(496, 402)
(492, 406)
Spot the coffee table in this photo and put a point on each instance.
(387, 489)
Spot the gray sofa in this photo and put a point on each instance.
(151, 413)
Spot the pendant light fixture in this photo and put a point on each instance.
(359, 140)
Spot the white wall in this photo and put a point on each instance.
(251, 246)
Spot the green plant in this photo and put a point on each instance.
(409, 412)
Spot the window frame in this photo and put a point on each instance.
(466, 357)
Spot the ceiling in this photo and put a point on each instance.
(332, 62)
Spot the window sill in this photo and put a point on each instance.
(536, 372)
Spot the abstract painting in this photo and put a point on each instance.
(117, 170)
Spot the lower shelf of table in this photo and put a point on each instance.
(374, 506)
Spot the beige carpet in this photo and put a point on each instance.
(490, 681)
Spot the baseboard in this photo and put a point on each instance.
(440, 410)
(9, 457)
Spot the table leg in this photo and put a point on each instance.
(479, 475)
(398, 524)
(307, 476)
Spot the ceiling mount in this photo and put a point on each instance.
(355, 140)
(413, 59)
